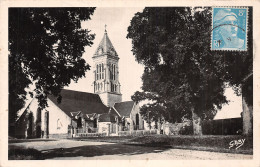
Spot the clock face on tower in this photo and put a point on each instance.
(100, 51)
(112, 51)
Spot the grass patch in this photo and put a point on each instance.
(110, 139)
(214, 143)
(205, 142)
(21, 153)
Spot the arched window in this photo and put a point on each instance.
(111, 72)
(115, 88)
(113, 69)
(137, 121)
(95, 123)
(97, 73)
(111, 85)
(114, 72)
(30, 125)
(79, 122)
(59, 124)
(102, 71)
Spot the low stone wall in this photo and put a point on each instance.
(232, 126)
(59, 136)
(91, 134)
(137, 132)
(177, 128)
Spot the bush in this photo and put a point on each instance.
(186, 130)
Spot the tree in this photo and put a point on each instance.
(182, 75)
(239, 67)
(45, 48)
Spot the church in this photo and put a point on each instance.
(101, 113)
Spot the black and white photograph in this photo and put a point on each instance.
(131, 83)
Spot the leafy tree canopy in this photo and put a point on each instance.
(45, 47)
(181, 72)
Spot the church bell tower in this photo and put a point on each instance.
(106, 72)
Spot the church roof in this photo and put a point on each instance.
(75, 101)
(124, 108)
(107, 117)
(105, 47)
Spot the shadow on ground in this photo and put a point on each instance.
(106, 149)
(28, 140)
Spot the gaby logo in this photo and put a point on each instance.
(236, 143)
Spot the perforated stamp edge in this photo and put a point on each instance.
(212, 28)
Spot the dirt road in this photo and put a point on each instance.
(69, 149)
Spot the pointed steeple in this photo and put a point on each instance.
(105, 47)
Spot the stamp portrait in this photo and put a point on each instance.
(229, 29)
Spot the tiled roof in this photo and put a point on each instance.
(105, 46)
(107, 118)
(74, 113)
(112, 111)
(74, 101)
(124, 108)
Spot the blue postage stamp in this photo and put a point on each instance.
(229, 29)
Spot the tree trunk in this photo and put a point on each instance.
(247, 104)
(38, 123)
(117, 126)
(108, 129)
(159, 127)
(196, 120)
(46, 122)
(247, 118)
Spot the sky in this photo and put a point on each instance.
(233, 108)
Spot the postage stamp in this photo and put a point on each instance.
(229, 29)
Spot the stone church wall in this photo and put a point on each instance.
(26, 124)
(32, 123)
(58, 120)
(134, 112)
(109, 99)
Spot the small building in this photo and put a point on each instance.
(129, 113)
(77, 111)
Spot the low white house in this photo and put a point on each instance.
(78, 112)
